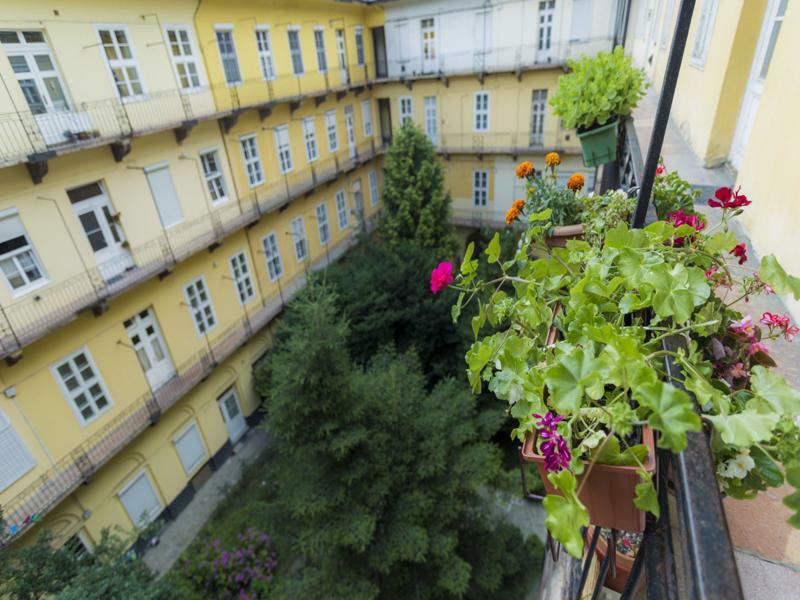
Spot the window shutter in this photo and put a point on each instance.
(15, 460)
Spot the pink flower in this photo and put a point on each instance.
(739, 251)
(441, 276)
(791, 332)
(766, 288)
(711, 271)
(679, 218)
(775, 321)
(758, 347)
(744, 327)
(728, 198)
(738, 371)
(660, 170)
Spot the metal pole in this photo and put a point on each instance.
(664, 106)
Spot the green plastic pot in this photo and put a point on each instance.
(599, 145)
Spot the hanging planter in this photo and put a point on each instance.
(599, 144)
(559, 236)
(623, 560)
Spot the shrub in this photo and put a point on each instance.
(671, 194)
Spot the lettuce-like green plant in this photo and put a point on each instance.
(672, 193)
(598, 89)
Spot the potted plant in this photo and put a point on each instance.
(592, 97)
(627, 546)
(586, 400)
(672, 193)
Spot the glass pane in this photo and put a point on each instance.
(11, 272)
(158, 351)
(19, 64)
(80, 401)
(9, 37)
(44, 63)
(33, 37)
(93, 232)
(32, 96)
(56, 93)
(28, 264)
(143, 360)
(773, 39)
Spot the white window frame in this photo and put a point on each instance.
(122, 63)
(538, 117)
(366, 116)
(431, 119)
(359, 41)
(299, 239)
(295, 54)
(310, 139)
(406, 115)
(703, 33)
(29, 286)
(481, 118)
(128, 485)
(182, 58)
(323, 226)
(274, 261)
(373, 188)
(332, 131)
(225, 28)
(265, 58)
(251, 159)
(666, 25)
(319, 46)
(215, 180)
(200, 307)
(241, 276)
(480, 193)
(22, 454)
(200, 461)
(340, 198)
(83, 388)
(545, 16)
(284, 151)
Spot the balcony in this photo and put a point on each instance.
(513, 143)
(31, 317)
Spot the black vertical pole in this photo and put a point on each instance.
(664, 106)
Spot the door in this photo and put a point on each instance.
(358, 198)
(164, 195)
(428, 30)
(232, 415)
(651, 44)
(379, 45)
(547, 9)
(770, 29)
(341, 54)
(350, 131)
(385, 115)
(103, 233)
(148, 343)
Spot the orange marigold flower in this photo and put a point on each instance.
(552, 159)
(576, 182)
(513, 213)
(524, 169)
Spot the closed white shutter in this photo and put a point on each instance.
(581, 26)
(15, 460)
(140, 500)
(165, 196)
(190, 448)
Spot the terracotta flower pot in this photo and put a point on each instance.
(624, 564)
(609, 491)
(559, 235)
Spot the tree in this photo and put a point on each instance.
(417, 207)
(377, 476)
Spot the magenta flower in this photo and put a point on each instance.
(758, 347)
(744, 327)
(554, 447)
(711, 271)
(728, 198)
(441, 276)
(740, 252)
(679, 217)
(781, 323)
(660, 170)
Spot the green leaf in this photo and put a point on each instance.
(772, 273)
(793, 499)
(493, 249)
(542, 215)
(646, 496)
(479, 319)
(574, 374)
(721, 242)
(677, 290)
(745, 428)
(671, 413)
(565, 514)
(608, 453)
(455, 310)
(468, 265)
(767, 468)
(774, 389)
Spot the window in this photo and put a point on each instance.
(200, 306)
(341, 209)
(164, 195)
(405, 109)
(546, 12)
(330, 130)
(76, 546)
(121, 62)
(295, 51)
(264, 46)
(99, 221)
(777, 19)
(35, 70)
(431, 120)
(341, 51)
(481, 111)
(180, 49)
(190, 449)
(299, 239)
(151, 350)
(273, 256)
(310, 139)
(227, 52)
(322, 223)
(212, 173)
(252, 160)
(240, 271)
(702, 35)
(18, 259)
(140, 500)
(373, 188)
(480, 188)
(283, 149)
(319, 43)
(366, 113)
(538, 112)
(428, 32)
(580, 29)
(81, 384)
(360, 46)
(16, 460)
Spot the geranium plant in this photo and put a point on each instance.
(586, 395)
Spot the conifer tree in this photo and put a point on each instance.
(417, 207)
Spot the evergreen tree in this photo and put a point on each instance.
(417, 207)
(379, 478)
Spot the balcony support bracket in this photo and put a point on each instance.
(99, 308)
(358, 89)
(227, 122)
(182, 132)
(319, 99)
(481, 77)
(265, 110)
(294, 105)
(445, 80)
(120, 149)
(341, 94)
(37, 165)
(214, 246)
(14, 358)
(407, 82)
(164, 274)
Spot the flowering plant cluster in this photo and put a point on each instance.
(542, 191)
(619, 309)
(242, 573)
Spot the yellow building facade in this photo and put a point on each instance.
(170, 174)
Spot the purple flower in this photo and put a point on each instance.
(554, 447)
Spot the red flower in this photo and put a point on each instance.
(740, 252)
(728, 198)
(660, 170)
(711, 271)
(679, 218)
(782, 323)
(441, 276)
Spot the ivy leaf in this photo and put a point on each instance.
(671, 413)
(478, 356)
(745, 428)
(646, 496)
(774, 389)
(565, 514)
(574, 374)
(721, 242)
(493, 249)
(793, 499)
(772, 273)
(677, 290)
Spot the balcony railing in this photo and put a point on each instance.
(521, 141)
(34, 315)
(77, 467)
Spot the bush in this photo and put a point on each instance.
(671, 193)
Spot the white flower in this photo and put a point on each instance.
(738, 466)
